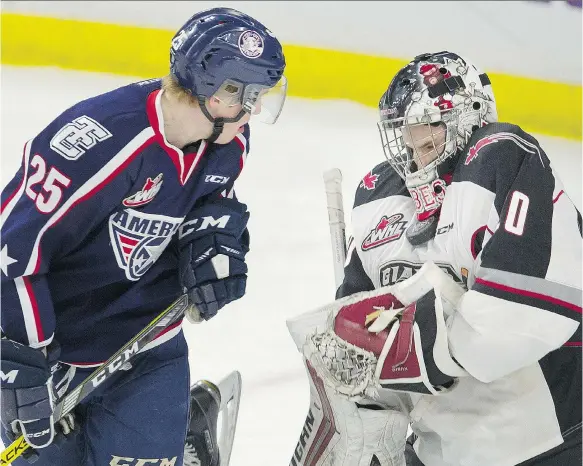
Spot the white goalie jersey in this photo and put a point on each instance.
(511, 237)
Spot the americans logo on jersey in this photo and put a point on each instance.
(388, 229)
(138, 239)
(146, 194)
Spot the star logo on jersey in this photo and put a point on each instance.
(369, 181)
(388, 229)
(6, 260)
(138, 239)
(146, 194)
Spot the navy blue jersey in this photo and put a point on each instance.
(89, 222)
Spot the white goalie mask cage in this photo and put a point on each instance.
(430, 110)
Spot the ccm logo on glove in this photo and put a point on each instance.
(10, 377)
(212, 249)
(189, 226)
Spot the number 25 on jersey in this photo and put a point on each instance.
(53, 182)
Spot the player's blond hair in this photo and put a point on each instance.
(172, 87)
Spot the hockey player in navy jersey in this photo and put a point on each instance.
(122, 203)
(460, 310)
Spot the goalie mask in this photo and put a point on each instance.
(427, 115)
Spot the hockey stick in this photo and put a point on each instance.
(169, 316)
(335, 205)
(230, 389)
(310, 448)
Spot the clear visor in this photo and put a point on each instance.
(411, 147)
(262, 102)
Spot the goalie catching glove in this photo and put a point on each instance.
(212, 257)
(392, 338)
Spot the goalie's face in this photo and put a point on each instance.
(424, 143)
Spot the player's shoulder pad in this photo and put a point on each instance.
(98, 129)
(496, 150)
(380, 182)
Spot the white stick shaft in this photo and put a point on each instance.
(335, 205)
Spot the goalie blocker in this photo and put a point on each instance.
(358, 347)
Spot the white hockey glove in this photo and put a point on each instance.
(391, 338)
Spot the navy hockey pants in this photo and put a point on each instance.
(139, 416)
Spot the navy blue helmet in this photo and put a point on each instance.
(228, 54)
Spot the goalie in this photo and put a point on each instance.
(460, 311)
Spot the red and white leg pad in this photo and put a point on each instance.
(337, 432)
(364, 342)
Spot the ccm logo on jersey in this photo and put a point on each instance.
(146, 194)
(138, 239)
(10, 377)
(203, 223)
(126, 461)
(218, 179)
(388, 229)
(444, 229)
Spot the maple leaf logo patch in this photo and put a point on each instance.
(369, 181)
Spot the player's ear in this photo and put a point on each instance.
(214, 104)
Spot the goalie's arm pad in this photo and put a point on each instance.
(355, 278)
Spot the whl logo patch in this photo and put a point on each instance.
(146, 194)
(388, 229)
(138, 239)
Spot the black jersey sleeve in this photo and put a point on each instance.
(355, 277)
(525, 299)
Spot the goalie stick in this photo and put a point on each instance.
(335, 205)
(167, 317)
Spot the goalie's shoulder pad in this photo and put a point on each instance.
(381, 182)
(494, 155)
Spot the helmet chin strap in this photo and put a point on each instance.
(218, 123)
